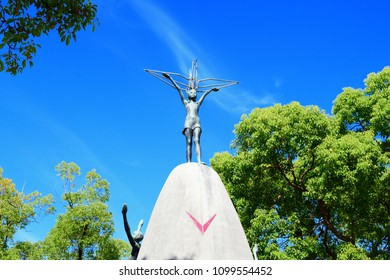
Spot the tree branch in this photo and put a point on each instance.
(326, 216)
(295, 186)
(309, 169)
(327, 249)
(80, 248)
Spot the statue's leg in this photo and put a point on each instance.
(197, 133)
(188, 135)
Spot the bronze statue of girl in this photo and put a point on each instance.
(192, 129)
(192, 85)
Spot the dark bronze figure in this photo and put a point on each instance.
(192, 129)
(192, 85)
(137, 236)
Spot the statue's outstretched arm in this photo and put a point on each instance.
(166, 75)
(205, 94)
(126, 224)
(134, 245)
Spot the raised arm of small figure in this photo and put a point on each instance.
(166, 75)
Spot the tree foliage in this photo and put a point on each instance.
(367, 109)
(25, 250)
(85, 230)
(17, 210)
(21, 21)
(308, 185)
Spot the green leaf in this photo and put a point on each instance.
(20, 24)
(68, 39)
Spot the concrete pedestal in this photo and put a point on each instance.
(194, 219)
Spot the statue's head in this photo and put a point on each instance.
(191, 93)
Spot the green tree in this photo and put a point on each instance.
(25, 250)
(17, 210)
(367, 109)
(85, 230)
(307, 185)
(21, 21)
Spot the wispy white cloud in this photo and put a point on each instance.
(278, 82)
(24, 235)
(65, 140)
(181, 44)
(185, 48)
(240, 102)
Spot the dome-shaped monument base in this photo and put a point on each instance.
(195, 219)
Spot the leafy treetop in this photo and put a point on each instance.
(307, 185)
(21, 21)
(17, 210)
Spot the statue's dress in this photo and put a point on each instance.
(192, 120)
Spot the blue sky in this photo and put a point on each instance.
(92, 102)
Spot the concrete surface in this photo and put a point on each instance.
(194, 218)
